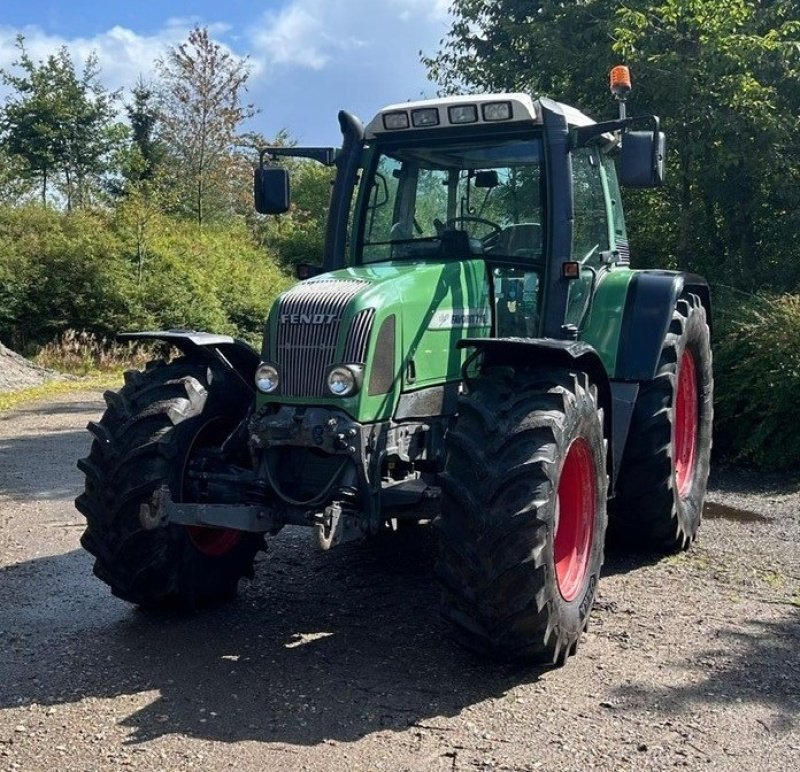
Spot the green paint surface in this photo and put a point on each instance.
(604, 323)
(429, 301)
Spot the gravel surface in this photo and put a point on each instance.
(337, 661)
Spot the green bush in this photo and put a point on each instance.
(757, 378)
(93, 271)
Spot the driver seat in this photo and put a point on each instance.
(522, 240)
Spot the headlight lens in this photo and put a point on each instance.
(267, 378)
(342, 381)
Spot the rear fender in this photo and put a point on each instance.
(537, 352)
(234, 354)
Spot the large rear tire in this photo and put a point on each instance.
(664, 472)
(523, 514)
(145, 440)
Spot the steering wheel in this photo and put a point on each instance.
(453, 221)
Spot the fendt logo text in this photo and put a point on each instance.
(308, 318)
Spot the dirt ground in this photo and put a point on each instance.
(338, 661)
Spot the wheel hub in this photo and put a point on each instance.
(577, 504)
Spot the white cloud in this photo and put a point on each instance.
(426, 10)
(123, 54)
(306, 33)
(317, 33)
(309, 59)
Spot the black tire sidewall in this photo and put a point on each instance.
(696, 340)
(583, 421)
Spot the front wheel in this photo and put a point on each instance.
(523, 514)
(146, 439)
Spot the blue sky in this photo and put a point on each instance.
(309, 58)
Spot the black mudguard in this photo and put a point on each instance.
(233, 353)
(648, 312)
(551, 352)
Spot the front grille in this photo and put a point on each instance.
(309, 320)
(355, 350)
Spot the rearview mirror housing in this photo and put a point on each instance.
(643, 155)
(487, 179)
(271, 191)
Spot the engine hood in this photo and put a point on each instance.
(399, 321)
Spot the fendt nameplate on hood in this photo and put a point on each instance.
(309, 318)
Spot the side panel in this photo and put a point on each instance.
(604, 323)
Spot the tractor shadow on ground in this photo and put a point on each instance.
(319, 647)
(756, 662)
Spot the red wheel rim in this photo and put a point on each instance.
(577, 504)
(686, 420)
(212, 542)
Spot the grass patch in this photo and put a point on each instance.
(78, 352)
(12, 399)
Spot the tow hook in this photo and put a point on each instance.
(336, 526)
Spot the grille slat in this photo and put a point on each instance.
(355, 349)
(306, 349)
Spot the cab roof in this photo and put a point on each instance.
(521, 109)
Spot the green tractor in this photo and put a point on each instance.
(476, 350)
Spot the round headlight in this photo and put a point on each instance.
(341, 381)
(267, 378)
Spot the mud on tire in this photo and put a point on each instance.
(510, 518)
(664, 472)
(142, 442)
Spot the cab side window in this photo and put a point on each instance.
(590, 231)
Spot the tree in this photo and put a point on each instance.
(201, 112)
(723, 77)
(149, 152)
(58, 124)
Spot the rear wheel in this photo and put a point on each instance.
(664, 473)
(147, 438)
(523, 514)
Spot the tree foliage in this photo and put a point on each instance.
(724, 79)
(200, 117)
(58, 125)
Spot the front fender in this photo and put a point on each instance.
(234, 354)
(537, 352)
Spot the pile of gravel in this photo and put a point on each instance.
(16, 372)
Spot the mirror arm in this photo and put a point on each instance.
(325, 155)
(582, 135)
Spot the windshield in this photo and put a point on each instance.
(455, 200)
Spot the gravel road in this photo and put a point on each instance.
(337, 661)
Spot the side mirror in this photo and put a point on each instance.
(271, 190)
(307, 270)
(643, 155)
